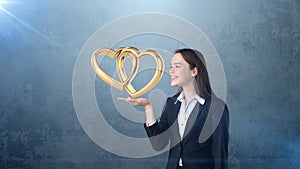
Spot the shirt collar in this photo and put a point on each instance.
(197, 97)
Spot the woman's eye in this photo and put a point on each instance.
(176, 66)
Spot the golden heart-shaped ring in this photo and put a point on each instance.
(125, 82)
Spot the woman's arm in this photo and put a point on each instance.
(157, 131)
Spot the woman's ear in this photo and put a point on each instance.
(194, 72)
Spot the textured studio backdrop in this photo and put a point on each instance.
(258, 43)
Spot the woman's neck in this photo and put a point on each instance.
(189, 92)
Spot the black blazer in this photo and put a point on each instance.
(210, 151)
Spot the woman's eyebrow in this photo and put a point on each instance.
(176, 63)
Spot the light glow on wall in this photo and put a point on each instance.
(1, 3)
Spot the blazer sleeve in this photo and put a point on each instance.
(158, 133)
(220, 141)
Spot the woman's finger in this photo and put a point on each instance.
(129, 99)
(134, 102)
(122, 99)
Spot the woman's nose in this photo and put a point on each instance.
(171, 71)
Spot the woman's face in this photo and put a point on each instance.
(180, 72)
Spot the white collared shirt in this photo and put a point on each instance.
(185, 110)
(184, 113)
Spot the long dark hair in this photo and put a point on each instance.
(195, 59)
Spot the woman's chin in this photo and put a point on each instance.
(174, 84)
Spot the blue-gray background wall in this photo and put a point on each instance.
(258, 42)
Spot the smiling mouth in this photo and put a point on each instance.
(173, 77)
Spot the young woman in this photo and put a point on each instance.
(194, 121)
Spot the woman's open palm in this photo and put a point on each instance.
(136, 101)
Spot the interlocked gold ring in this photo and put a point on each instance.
(125, 82)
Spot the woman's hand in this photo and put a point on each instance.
(136, 102)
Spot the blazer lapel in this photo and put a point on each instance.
(174, 111)
(192, 118)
